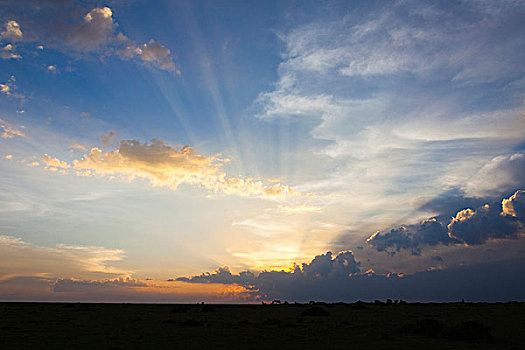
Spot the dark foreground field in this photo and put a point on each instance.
(332, 326)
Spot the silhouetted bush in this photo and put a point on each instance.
(315, 311)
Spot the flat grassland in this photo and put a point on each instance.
(287, 326)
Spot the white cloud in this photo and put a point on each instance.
(98, 32)
(94, 32)
(405, 100)
(501, 173)
(466, 39)
(151, 53)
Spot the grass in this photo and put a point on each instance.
(287, 326)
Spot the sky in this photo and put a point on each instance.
(244, 151)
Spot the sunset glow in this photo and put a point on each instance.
(245, 151)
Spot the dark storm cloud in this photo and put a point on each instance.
(475, 227)
(429, 232)
(449, 203)
(340, 278)
(322, 266)
(73, 285)
(221, 275)
(499, 220)
(327, 282)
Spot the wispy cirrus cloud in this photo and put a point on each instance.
(20, 258)
(9, 131)
(403, 100)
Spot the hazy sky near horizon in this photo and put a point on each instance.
(344, 147)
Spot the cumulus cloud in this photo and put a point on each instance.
(152, 53)
(105, 139)
(428, 232)
(54, 163)
(515, 205)
(96, 29)
(503, 220)
(12, 31)
(340, 279)
(98, 32)
(9, 131)
(167, 166)
(9, 88)
(8, 52)
(488, 222)
(323, 266)
(93, 32)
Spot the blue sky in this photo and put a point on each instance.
(143, 143)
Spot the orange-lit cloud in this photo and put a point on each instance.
(19, 258)
(76, 145)
(12, 31)
(167, 166)
(53, 163)
(9, 131)
(300, 209)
